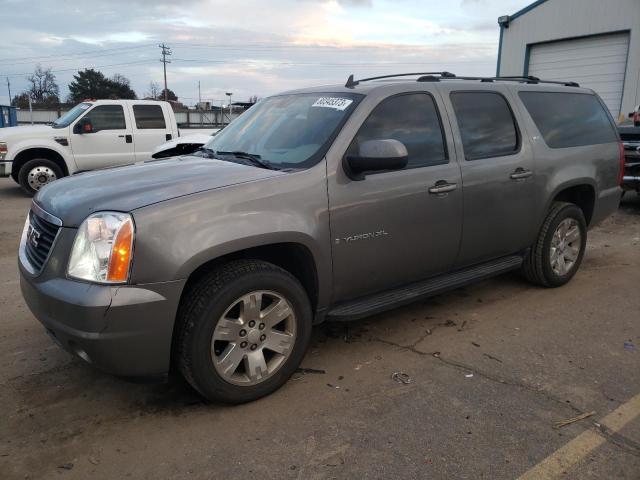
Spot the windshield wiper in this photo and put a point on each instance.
(252, 157)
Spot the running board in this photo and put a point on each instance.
(383, 301)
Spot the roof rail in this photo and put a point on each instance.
(437, 76)
(352, 83)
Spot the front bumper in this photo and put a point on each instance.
(5, 168)
(124, 330)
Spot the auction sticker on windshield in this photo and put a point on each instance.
(333, 102)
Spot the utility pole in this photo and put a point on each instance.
(166, 51)
(199, 95)
(9, 87)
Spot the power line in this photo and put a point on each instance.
(324, 64)
(139, 62)
(89, 52)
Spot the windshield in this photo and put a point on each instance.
(287, 131)
(71, 115)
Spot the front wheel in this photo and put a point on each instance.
(242, 331)
(37, 173)
(556, 256)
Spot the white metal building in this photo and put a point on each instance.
(595, 43)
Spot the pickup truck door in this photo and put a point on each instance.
(497, 173)
(393, 227)
(108, 143)
(151, 127)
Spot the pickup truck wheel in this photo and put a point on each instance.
(242, 331)
(556, 256)
(37, 173)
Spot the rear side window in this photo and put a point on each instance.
(569, 119)
(486, 124)
(148, 117)
(411, 119)
(107, 117)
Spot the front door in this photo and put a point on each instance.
(497, 176)
(396, 227)
(109, 142)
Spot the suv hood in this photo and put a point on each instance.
(124, 189)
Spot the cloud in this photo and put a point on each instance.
(249, 47)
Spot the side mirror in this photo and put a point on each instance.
(83, 126)
(376, 156)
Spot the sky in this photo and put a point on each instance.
(246, 47)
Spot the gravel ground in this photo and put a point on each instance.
(493, 367)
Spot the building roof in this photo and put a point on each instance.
(526, 9)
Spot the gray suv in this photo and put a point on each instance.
(327, 203)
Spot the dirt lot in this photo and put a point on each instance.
(493, 367)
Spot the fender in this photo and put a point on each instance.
(19, 147)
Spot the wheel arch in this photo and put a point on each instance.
(294, 257)
(40, 152)
(581, 192)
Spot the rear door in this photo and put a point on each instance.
(109, 143)
(497, 174)
(150, 128)
(393, 227)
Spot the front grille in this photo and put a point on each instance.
(630, 137)
(40, 237)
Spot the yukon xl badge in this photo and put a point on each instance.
(33, 236)
(361, 236)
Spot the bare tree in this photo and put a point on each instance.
(44, 88)
(154, 91)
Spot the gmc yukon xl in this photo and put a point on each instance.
(328, 203)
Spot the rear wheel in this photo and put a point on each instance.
(37, 173)
(243, 330)
(556, 256)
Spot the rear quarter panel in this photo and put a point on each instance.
(557, 169)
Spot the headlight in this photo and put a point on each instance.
(103, 248)
(3, 150)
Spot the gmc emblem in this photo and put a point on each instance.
(33, 236)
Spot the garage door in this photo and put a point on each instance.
(594, 62)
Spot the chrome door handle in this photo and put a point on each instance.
(443, 187)
(520, 174)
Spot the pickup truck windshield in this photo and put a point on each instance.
(71, 115)
(288, 131)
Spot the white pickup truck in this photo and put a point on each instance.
(92, 135)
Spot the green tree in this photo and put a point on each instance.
(90, 83)
(170, 95)
(121, 88)
(21, 101)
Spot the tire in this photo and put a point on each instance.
(542, 265)
(214, 308)
(28, 177)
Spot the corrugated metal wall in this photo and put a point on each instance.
(569, 19)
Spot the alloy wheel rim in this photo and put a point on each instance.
(253, 338)
(565, 246)
(38, 177)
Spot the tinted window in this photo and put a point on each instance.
(107, 117)
(148, 116)
(411, 119)
(569, 119)
(486, 124)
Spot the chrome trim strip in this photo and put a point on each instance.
(37, 209)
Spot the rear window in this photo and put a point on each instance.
(148, 117)
(569, 119)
